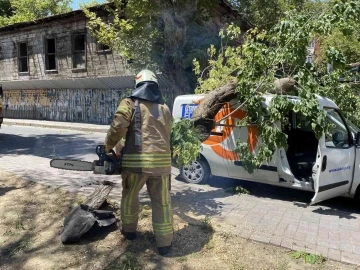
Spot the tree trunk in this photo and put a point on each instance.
(175, 16)
(204, 114)
(98, 197)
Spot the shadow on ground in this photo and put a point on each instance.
(340, 206)
(191, 233)
(4, 190)
(47, 145)
(41, 213)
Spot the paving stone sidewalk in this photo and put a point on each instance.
(331, 231)
(58, 125)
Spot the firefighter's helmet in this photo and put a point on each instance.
(145, 76)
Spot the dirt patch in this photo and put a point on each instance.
(31, 219)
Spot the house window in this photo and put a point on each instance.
(103, 48)
(23, 57)
(50, 54)
(79, 53)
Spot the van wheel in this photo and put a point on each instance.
(197, 172)
(357, 197)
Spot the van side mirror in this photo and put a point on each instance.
(357, 139)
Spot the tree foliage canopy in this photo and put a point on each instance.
(28, 10)
(5, 8)
(349, 45)
(266, 13)
(281, 52)
(163, 35)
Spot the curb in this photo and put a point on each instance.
(89, 129)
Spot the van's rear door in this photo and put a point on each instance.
(333, 170)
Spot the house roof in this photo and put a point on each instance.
(246, 24)
(71, 14)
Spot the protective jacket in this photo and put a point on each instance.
(146, 127)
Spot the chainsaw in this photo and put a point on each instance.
(108, 163)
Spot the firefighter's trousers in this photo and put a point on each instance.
(159, 191)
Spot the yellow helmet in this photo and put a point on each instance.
(145, 76)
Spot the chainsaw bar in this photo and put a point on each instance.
(72, 165)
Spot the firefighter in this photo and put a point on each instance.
(144, 121)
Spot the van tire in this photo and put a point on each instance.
(197, 172)
(357, 197)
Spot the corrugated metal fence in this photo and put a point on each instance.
(75, 105)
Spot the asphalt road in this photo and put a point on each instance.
(27, 151)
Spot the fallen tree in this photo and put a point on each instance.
(248, 71)
(203, 117)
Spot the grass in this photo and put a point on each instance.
(10, 233)
(210, 245)
(19, 224)
(17, 247)
(307, 257)
(182, 259)
(206, 225)
(145, 212)
(237, 190)
(128, 261)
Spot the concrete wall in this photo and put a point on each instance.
(78, 105)
(98, 64)
(91, 106)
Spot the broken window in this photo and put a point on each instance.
(79, 55)
(23, 57)
(50, 54)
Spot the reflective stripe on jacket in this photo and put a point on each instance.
(147, 129)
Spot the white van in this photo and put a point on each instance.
(329, 166)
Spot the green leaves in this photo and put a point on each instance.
(237, 190)
(308, 257)
(185, 142)
(28, 10)
(281, 52)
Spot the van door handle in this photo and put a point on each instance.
(323, 165)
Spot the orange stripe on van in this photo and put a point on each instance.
(215, 141)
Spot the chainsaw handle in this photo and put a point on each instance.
(112, 163)
(100, 150)
(111, 158)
